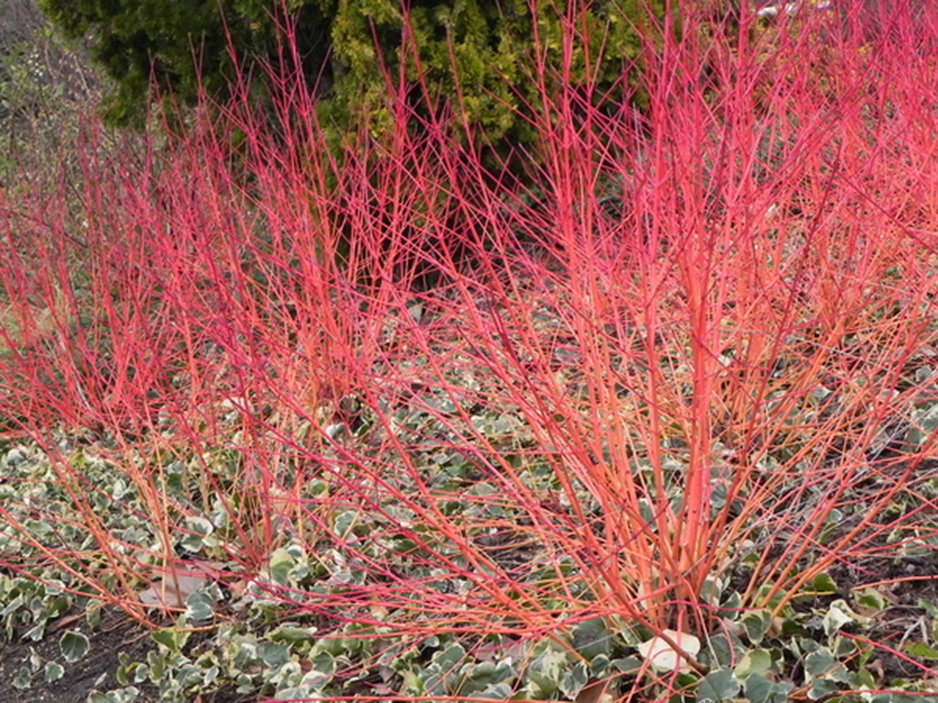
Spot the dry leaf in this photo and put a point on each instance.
(171, 591)
(662, 657)
(594, 692)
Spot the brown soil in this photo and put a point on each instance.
(903, 583)
(94, 672)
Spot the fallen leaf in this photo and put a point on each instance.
(593, 692)
(171, 591)
(663, 657)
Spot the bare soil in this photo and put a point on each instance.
(95, 672)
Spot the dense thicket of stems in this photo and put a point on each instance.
(691, 346)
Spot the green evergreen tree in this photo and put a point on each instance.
(179, 47)
(480, 50)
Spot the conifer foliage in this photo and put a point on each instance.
(474, 58)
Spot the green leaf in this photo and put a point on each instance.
(74, 646)
(200, 606)
(440, 675)
(12, 606)
(292, 634)
(754, 662)
(450, 657)
(336, 646)
(844, 648)
(273, 654)
(871, 599)
(123, 695)
(156, 666)
(125, 668)
(546, 672)
(627, 665)
(729, 608)
(927, 424)
(478, 677)
(823, 584)
(727, 650)
(281, 563)
(54, 671)
(23, 678)
(920, 650)
(57, 606)
(711, 590)
(599, 666)
(591, 638)
(200, 528)
(821, 688)
(759, 689)
(573, 681)
(838, 615)
(830, 525)
(928, 607)
(865, 679)
(769, 597)
(757, 624)
(93, 617)
(170, 637)
(822, 664)
(35, 633)
(717, 686)
(245, 684)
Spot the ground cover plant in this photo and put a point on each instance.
(655, 421)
